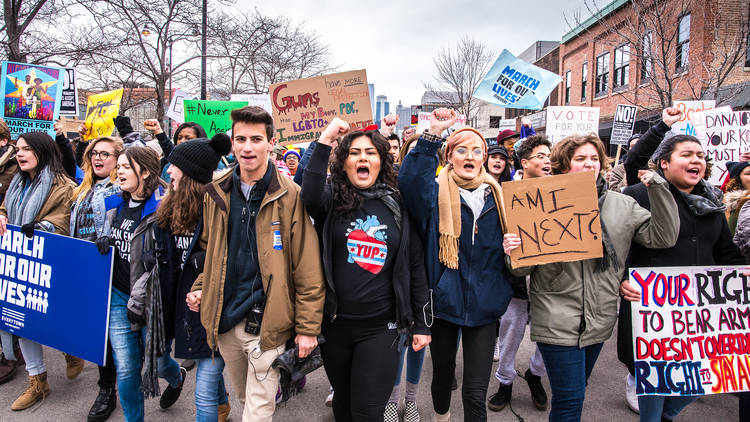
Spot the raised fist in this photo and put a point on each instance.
(153, 126)
(671, 115)
(335, 130)
(441, 119)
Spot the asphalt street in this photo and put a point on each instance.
(70, 400)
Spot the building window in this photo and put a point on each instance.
(602, 74)
(584, 78)
(683, 44)
(495, 122)
(622, 66)
(567, 87)
(647, 64)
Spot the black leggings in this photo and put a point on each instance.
(108, 372)
(479, 345)
(361, 360)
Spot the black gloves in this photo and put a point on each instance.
(103, 243)
(136, 319)
(28, 229)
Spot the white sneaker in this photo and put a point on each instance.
(496, 356)
(630, 395)
(329, 399)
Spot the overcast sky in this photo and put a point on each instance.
(396, 40)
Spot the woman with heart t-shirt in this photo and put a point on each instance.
(375, 277)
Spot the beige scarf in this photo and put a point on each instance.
(449, 209)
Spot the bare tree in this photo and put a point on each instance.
(650, 32)
(251, 51)
(27, 32)
(458, 73)
(131, 42)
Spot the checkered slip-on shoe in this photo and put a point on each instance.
(391, 412)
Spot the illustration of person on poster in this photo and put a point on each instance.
(31, 96)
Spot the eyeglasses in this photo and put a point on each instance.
(540, 156)
(101, 154)
(462, 152)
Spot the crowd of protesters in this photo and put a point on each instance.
(358, 253)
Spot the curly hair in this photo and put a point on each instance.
(562, 152)
(345, 196)
(181, 209)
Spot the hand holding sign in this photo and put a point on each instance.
(334, 131)
(58, 126)
(441, 119)
(671, 115)
(510, 241)
(628, 292)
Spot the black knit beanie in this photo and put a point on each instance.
(198, 158)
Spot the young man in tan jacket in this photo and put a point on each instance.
(262, 280)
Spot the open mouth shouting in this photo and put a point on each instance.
(363, 172)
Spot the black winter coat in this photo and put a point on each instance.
(181, 323)
(703, 240)
(409, 277)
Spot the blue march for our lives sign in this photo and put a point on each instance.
(55, 290)
(511, 82)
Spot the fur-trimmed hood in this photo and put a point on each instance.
(733, 199)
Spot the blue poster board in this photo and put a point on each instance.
(55, 290)
(514, 83)
(31, 97)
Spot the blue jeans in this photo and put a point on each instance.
(209, 389)
(568, 369)
(127, 349)
(652, 408)
(414, 362)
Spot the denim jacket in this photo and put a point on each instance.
(100, 191)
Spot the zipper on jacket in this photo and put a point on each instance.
(582, 325)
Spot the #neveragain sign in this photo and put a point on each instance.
(511, 82)
(691, 330)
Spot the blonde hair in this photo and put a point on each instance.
(83, 189)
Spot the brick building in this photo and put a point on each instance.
(619, 56)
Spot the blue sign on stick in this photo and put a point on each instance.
(512, 82)
(55, 290)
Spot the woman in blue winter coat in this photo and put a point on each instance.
(459, 218)
(191, 167)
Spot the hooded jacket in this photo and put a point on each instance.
(574, 305)
(289, 259)
(478, 292)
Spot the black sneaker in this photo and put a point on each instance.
(171, 394)
(499, 400)
(538, 396)
(104, 405)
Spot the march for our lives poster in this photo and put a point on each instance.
(31, 97)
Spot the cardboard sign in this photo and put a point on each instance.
(303, 108)
(511, 82)
(69, 99)
(423, 122)
(44, 292)
(563, 121)
(727, 135)
(31, 96)
(556, 218)
(623, 124)
(101, 110)
(260, 100)
(214, 116)
(70, 125)
(686, 125)
(691, 330)
(176, 110)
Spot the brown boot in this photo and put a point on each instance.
(224, 412)
(37, 390)
(8, 368)
(74, 366)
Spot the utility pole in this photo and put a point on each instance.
(203, 49)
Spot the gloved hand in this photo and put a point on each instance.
(103, 243)
(28, 229)
(135, 318)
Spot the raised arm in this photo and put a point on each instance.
(639, 155)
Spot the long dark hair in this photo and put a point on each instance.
(199, 131)
(47, 154)
(345, 196)
(146, 159)
(181, 209)
(505, 175)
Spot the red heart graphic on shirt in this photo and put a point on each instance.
(367, 251)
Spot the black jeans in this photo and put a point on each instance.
(108, 372)
(479, 345)
(361, 360)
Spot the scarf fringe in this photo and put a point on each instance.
(448, 254)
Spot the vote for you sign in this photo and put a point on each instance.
(691, 330)
(55, 290)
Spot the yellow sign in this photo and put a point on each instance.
(101, 111)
